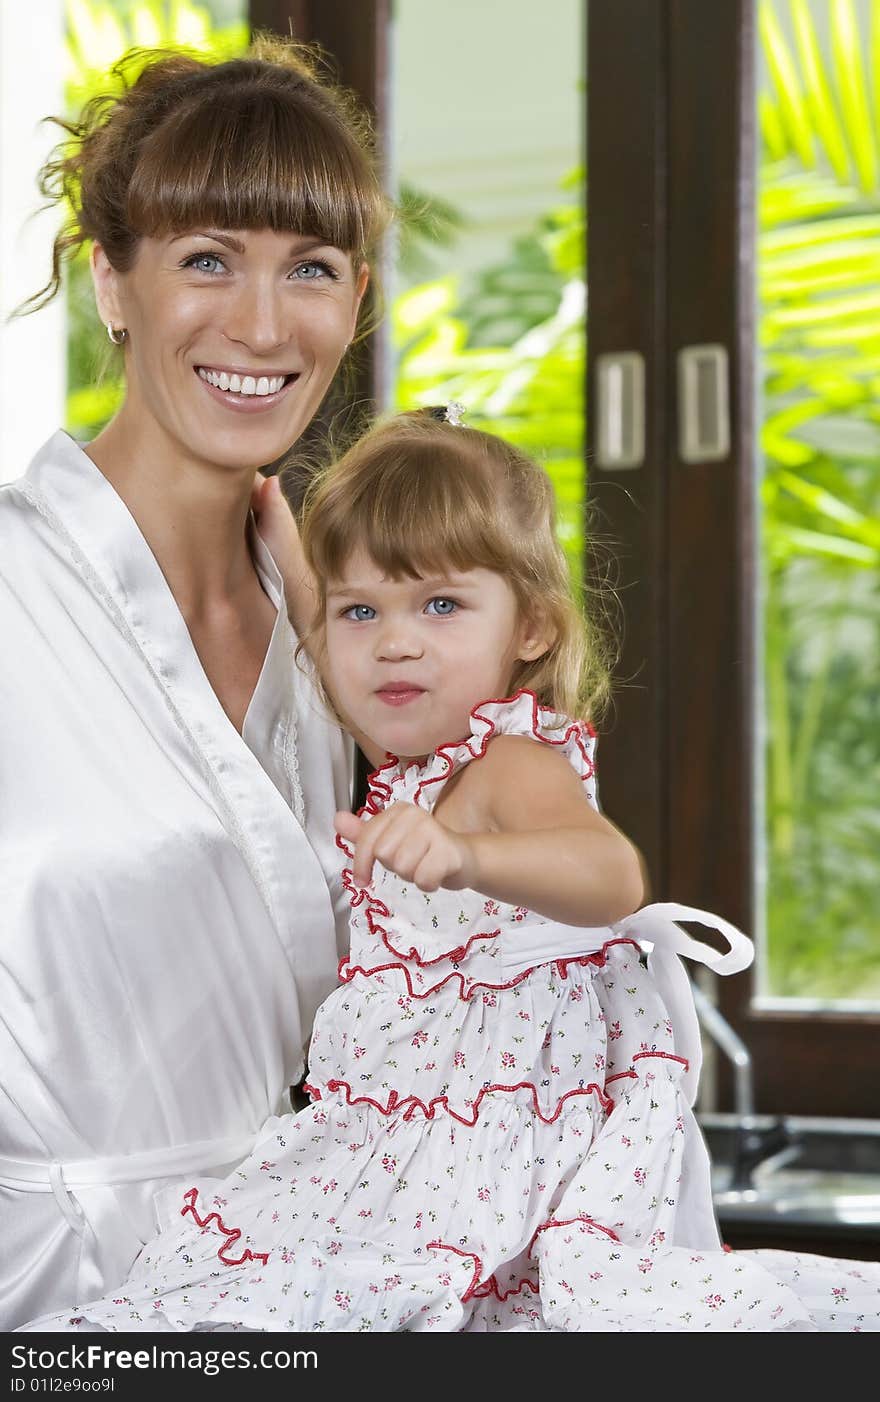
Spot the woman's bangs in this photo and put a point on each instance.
(256, 165)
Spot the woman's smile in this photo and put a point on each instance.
(246, 391)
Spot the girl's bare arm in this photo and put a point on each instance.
(548, 849)
(531, 839)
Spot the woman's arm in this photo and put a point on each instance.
(540, 844)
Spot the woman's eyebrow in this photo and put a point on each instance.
(226, 239)
(305, 243)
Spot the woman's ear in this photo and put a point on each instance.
(107, 290)
(362, 282)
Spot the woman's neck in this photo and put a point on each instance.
(192, 515)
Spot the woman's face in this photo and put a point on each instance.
(233, 339)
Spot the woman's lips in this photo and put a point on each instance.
(400, 694)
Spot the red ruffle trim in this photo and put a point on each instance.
(413, 1103)
(479, 1289)
(467, 989)
(429, 1108)
(375, 907)
(232, 1234)
(575, 731)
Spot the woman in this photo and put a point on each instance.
(167, 777)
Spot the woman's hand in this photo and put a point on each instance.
(278, 530)
(409, 842)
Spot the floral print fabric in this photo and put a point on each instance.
(482, 1152)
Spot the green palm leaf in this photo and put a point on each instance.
(852, 87)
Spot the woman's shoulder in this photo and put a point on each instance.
(45, 485)
(19, 516)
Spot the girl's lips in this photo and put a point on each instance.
(247, 403)
(399, 695)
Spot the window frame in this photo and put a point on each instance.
(679, 768)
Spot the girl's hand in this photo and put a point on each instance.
(409, 842)
(278, 530)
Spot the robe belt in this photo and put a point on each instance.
(65, 1178)
(109, 1242)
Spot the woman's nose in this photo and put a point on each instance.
(255, 318)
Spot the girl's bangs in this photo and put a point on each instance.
(411, 528)
(254, 165)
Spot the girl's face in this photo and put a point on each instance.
(408, 659)
(233, 339)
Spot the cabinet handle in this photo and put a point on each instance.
(703, 404)
(620, 401)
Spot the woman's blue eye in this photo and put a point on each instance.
(204, 262)
(361, 613)
(311, 272)
(442, 608)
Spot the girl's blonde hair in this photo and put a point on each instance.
(419, 494)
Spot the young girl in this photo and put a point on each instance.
(501, 1134)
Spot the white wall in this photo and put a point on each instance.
(487, 101)
(32, 352)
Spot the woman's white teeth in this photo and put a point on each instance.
(247, 384)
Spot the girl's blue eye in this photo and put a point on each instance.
(204, 262)
(360, 613)
(441, 608)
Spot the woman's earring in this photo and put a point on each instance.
(117, 337)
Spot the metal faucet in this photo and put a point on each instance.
(754, 1143)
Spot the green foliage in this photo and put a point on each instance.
(819, 275)
(99, 32)
(530, 388)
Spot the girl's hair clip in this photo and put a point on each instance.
(451, 413)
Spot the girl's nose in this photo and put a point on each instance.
(397, 642)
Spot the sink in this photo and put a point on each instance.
(784, 1181)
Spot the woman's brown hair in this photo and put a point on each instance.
(419, 495)
(261, 141)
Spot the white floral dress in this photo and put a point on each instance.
(501, 1138)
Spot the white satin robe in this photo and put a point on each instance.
(167, 927)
